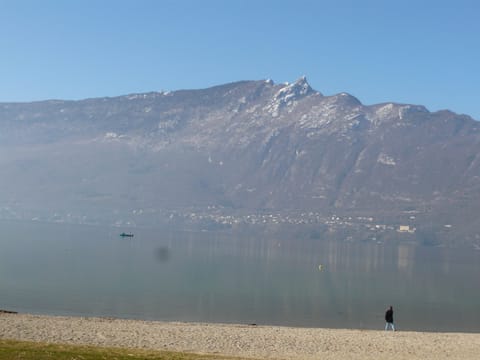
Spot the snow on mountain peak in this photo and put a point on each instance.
(301, 86)
(296, 89)
(288, 95)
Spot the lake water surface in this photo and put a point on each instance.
(182, 276)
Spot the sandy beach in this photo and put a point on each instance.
(260, 342)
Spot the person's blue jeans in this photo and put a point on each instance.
(389, 325)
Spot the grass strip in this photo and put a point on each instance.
(23, 350)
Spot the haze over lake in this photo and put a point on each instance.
(210, 277)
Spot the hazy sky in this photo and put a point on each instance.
(421, 51)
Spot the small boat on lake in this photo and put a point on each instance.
(126, 235)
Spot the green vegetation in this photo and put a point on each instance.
(21, 350)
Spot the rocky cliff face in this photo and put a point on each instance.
(245, 147)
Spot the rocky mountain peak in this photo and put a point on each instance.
(299, 88)
(288, 96)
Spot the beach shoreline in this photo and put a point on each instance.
(249, 341)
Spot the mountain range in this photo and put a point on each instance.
(245, 154)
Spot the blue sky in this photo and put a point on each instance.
(420, 52)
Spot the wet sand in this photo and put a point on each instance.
(260, 342)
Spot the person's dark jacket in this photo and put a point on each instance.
(389, 316)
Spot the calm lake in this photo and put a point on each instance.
(182, 276)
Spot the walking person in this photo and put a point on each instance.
(389, 319)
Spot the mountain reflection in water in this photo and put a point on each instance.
(208, 277)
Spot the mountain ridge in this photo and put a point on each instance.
(244, 147)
